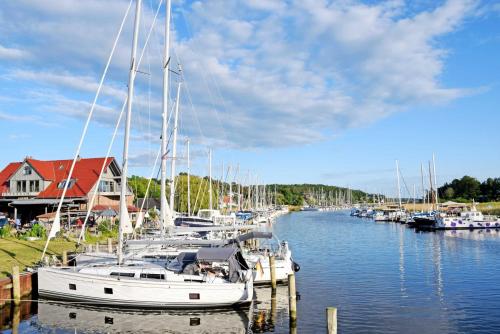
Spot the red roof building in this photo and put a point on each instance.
(36, 186)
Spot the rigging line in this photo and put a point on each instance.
(116, 129)
(103, 167)
(198, 194)
(404, 182)
(56, 224)
(188, 93)
(150, 179)
(189, 31)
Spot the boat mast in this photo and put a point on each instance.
(435, 179)
(423, 187)
(210, 206)
(164, 211)
(229, 168)
(188, 180)
(399, 187)
(128, 118)
(431, 192)
(174, 154)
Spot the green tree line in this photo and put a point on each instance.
(292, 194)
(469, 188)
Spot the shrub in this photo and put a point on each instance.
(36, 231)
(5, 231)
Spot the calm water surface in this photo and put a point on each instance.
(383, 277)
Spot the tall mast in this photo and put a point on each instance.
(128, 117)
(431, 193)
(210, 204)
(435, 179)
(174, 153)
(423, 187)
(414, 197)
(239, 187)
(399, 187)
(166, 67)
(230, 188)
(188, 180)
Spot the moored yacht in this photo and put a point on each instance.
(212, 277)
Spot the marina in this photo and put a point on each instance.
(249, 167)
(369, 271)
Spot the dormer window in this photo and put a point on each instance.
(27, 170)
(61, 184)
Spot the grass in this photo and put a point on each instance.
(27, 253)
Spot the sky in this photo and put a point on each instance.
(306, 91)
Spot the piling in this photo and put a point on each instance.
(97, 247)
(274, 309)
(272, 268)
(65, 258)
(331, 320)
(110, 245)
(16, 319)
(16, 285)
(292, 300)
(89, 248)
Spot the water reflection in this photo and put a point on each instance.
(11, 317)
(270, 311)
(85, 319)
(479, 235)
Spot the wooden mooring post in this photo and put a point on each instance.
(110, 245)
(272, 268)
(97, 247)
(65, 258)
(331, 320)
(16, 285)
(292, 300)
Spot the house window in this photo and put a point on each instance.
(27, 170)
(21, 186)
(61, 184)
(34, 186)
(106, 186)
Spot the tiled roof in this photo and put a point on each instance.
(5, 175)
(86, 173)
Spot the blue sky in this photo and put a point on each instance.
(293, 91)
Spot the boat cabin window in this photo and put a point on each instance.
(152, 276)
(72, 286)
(108, 291)
(122, 274)
(194, 296)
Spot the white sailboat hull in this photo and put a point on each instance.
(67, 284)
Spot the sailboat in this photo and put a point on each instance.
(216, 276)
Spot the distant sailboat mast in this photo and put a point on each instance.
(210, 204)
(174, 154)
(188, 180)
(399, 187)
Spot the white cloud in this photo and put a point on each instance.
(259, 73)
(12, 53)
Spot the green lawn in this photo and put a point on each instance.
(26, 253)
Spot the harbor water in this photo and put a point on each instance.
(382, 277)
